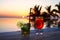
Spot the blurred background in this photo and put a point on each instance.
(13, 11)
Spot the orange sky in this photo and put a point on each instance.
(13, 13)
(22, 7)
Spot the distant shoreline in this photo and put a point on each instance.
(13, 16)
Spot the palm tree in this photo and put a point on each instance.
(37, 10)
(58, 6)
(59, 24)
(49, 10)
(48, 14)
(58, 11)
(35, 13)
(31, 15)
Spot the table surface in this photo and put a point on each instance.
(44, 34)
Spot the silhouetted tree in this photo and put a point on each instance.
(51, 13)
(58, 6)
(32, 15)
(48, 14)
(49, 10)
(59, 24)
(58, 11)
(37, 10)
(45, 16)
(36, 13)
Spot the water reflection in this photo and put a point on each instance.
(10, 24)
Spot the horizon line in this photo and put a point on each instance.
(13, 16)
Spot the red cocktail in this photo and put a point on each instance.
(39, 23)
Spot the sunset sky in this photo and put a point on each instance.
(22, 7)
